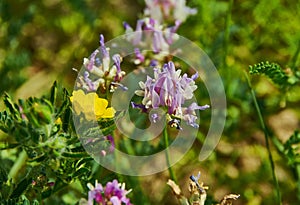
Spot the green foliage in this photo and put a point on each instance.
(292, 150)
(275, 73)
(14, 58)
(39, 128)
(53, 36)
(19, 201)
(32, 121)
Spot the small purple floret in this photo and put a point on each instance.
(169, 90)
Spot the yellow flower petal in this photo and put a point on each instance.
(91, 105)
(77, 100)
(109, 113)
(100, 106)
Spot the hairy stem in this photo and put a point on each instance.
(166, 139)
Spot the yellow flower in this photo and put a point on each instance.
(91, 105)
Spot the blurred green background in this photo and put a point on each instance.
(41, 41)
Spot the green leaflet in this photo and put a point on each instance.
(273, 71)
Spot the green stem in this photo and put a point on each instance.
(295, 58)
(18, 165)
(166, 139)
(263, 126)
(298, 180)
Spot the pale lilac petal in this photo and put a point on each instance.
(154, 117)
(117, 61)
(156, 42)
(127, 27)
(115, 200)
(139, 56)
(155, 100)
(92, 60)
(138, 34)
(153, 63)
(195, 76)
(103, 48)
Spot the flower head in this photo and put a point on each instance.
(169, 90)
(160, 37)
(98, 71)
(113, 193)
(91, 105)
(167, 10)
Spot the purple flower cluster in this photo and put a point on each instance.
(113, 193)
(169, 90)
(163, 10)
(99, 73)
(157, 28)
(160, 37)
